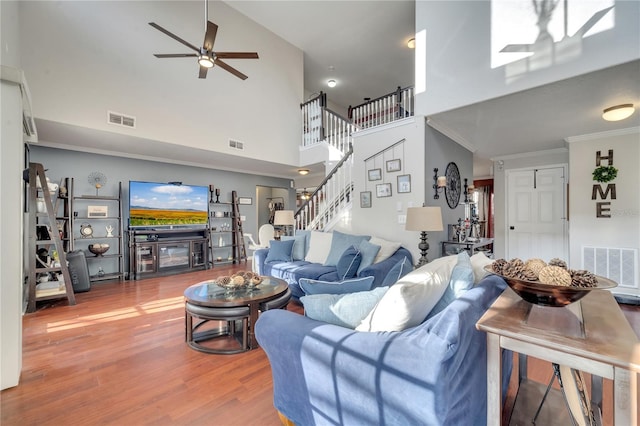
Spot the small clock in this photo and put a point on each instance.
(86, 231)
(452, 190)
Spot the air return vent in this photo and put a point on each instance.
(121, 120)
(617, 264)
(236, 144)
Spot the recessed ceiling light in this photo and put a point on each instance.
(618, 112)
(411, 44)
(303, 171)
(331, 83)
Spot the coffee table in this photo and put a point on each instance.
(209, 302)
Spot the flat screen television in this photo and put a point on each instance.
(163, 205)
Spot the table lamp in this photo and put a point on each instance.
(424, 219)
(284, 218)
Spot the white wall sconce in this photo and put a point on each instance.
(618, 112)
(439, 183)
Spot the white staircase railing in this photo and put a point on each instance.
(385, 109)
(320, 124)
(330, 199)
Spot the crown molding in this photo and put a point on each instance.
(603, 135)
(451, 134)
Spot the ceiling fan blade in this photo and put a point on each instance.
(237, 55)
(210, 36)
(173, 36)
(231, 69)
(175, 55)
(203, 72)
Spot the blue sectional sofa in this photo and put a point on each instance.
(431, 374)
(292, 271)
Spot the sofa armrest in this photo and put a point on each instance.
(380, 270)
(259, 256)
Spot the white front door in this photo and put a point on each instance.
(536, 219)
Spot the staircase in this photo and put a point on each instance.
(332, 199)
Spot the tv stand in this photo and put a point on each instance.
(159, 252)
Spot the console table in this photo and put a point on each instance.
(603, 344)
(470, 246)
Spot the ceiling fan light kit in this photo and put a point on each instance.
(618, 112)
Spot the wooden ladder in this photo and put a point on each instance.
(36, 174)
(239, 249)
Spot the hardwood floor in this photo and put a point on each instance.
(119, 357)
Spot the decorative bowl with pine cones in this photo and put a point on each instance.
(548, 284)
(239, 280)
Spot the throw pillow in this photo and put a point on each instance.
(478, 262)
(319, 246)
(310, 286)
(387, 248)
(399, 270)
(345, 310)
(339, 243)
(369, 252)
(462, 279)
(408, 301)
(348, 264)
(299, 246)
(279, 251)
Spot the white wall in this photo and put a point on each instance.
(622, 229)
(381, 219)
(455, 42)
(80, 64)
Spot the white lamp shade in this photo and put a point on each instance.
(424, 219)
(284, 217)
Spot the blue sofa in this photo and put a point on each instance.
(291, 272)
(431, 374)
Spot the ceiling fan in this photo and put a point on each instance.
(207, 58)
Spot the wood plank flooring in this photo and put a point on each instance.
(119, 357)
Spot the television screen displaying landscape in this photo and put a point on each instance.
(162, 204)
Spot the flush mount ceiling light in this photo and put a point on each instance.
(411, 44)
(303, 171)
(331, 83)
(618, 112)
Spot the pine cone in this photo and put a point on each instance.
(583, 278)
(513, 269)
(224, 280)
(535, 265)
(498, 266)
(555, 275)
(558, 262)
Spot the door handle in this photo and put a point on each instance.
(512, 228)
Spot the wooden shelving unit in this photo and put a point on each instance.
(226, 243)
(62, 286)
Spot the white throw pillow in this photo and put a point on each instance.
(387, 248)
(478, 262)
(408, 302)
(319, 247)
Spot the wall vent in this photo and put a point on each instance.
(236, 144)
(617, 264)
(121, 120)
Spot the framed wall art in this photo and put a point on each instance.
(245, 200)
(404, 184)
(365, 199)
(394, 165)
(383, 190)
(375, 174)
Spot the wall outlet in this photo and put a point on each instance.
(399, 206)
(402, 219)
(243, 218)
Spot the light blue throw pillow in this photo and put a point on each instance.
(369, 252)
(398, 271)
(299, 246)
(310, 286)
(279, 251)
(348, 264)
(339, 243)
(462, 279)
(345, 310)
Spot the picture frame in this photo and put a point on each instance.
(245, 200)
(394, 165)
(375, 174)
(365, 199)
(404, 184)
(383, 190)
